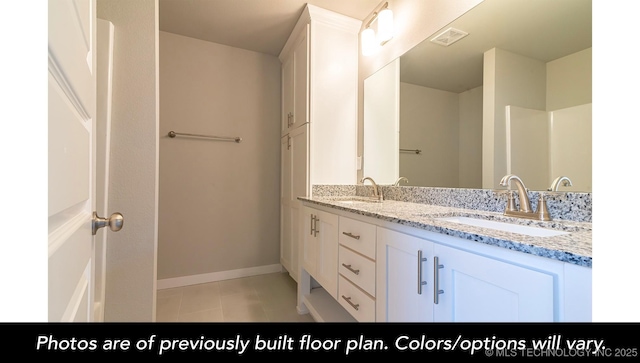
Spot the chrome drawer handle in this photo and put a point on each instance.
(348, 267)
(348, 299)
(436, 277)
(349, 234)
(420, 281)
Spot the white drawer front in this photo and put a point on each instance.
(358, 269)
(360, 305)
(359, 236)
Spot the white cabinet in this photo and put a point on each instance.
(294, 182)
(577, 290)
(419, 280)
(295, 81)
(357, 268)
(474, 288)
(367, 270)
(319, 116)
(404, 278)
(320, 248)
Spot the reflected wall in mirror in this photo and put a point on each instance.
(455, 98)
(381, 118)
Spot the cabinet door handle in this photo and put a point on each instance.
(436, 272)
(349, 234)
(348, 267)
(348, 299)
(288, 142)
(315, 226)
(311, 224)
(420, 281)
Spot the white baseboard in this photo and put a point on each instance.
(218, 276)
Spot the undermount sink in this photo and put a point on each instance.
(504, 226)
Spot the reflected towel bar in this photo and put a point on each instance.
(219, 138)
(417, 151)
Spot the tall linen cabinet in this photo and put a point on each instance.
(319, 117)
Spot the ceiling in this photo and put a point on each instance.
(257, 25)
(540, 29)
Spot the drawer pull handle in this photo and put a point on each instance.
(348, 299)
(436, 277)
(348, 267)
(349, 234)
(420, 281)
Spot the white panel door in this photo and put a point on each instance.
(286, 250)
(326, 241)
(287, 95)
(404, 278)
(105, 34)
(475, 288)
(299, 114)
(72, 173)
(308, 248)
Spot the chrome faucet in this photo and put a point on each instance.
(524, 210)
(556, 183)
(397, 183)
(377, 193)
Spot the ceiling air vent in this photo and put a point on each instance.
(449, 37)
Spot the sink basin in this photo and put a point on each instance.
(504, 226)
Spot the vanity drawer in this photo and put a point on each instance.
(358, 269)
(359, 236)
(360, 305)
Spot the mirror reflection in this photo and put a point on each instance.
(504, 89)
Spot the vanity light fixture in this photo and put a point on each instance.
(371, 40)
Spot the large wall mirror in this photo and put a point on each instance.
(503, 89)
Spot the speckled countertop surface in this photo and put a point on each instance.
(574, 247)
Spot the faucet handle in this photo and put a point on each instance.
(542, 211)
(511, 201)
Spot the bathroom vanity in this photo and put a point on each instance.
(396, 261)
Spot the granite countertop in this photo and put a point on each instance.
(574, 247)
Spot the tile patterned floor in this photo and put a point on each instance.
(263, 298)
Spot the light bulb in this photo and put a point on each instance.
(385, 26)
(368, 42)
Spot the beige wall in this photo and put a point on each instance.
(447, 127)
(414, 21)
(470, 166)
(512, 79)
(133, 178)
(219, 201)
(509, 79)
(569, 81)
(430, 122)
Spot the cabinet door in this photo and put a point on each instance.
(404, 278)
(481, 289)
(287, 94)
(326, 236)
(308, 245)
(300, 79)
(299, 154)
(286, 251)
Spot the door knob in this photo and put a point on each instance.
(115, 222)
